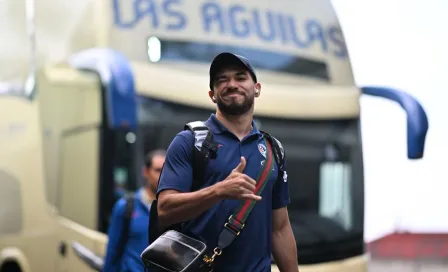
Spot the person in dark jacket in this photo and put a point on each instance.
(137, 238)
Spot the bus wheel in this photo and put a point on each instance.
(10, 266)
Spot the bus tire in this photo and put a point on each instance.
(10, 266)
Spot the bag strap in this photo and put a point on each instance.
(129, 208)
(236, 222)
(279, 154)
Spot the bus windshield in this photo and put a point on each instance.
(324, 174)
(203, 52)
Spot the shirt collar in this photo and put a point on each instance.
(144, 198)
(217, 127)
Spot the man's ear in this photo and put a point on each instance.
(212, 96)
(257, 89)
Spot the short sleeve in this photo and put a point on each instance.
(280, 193)
(177, 172)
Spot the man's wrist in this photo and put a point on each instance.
(215, 192)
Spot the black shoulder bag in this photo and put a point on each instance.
(176, 252)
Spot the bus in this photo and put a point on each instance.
(75, 144)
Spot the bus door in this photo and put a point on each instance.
(89, 114)
(69, 101)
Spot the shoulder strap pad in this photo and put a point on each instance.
(200, 131)
(203, 139)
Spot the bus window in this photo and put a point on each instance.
(278, 62)
(118, 174)
(325, 190)
(334, 183)
(123, 169)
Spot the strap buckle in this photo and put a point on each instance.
(233, 228)
(226, 225)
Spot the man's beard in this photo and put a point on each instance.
(234, 108)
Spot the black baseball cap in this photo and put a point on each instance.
(225, 59)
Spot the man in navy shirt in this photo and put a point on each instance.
(230, 178)
(137, 238)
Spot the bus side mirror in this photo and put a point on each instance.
(417, 121)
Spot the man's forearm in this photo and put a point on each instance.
(284, 249)
(178, 207)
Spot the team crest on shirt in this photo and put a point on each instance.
(262, 149)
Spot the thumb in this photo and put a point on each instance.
(240, 167)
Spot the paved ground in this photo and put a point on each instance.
(408, 266)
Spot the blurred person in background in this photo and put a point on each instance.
(128, 229)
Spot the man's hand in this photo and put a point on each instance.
(237, 185)
(175, 207)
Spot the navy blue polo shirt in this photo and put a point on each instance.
(251, 250)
